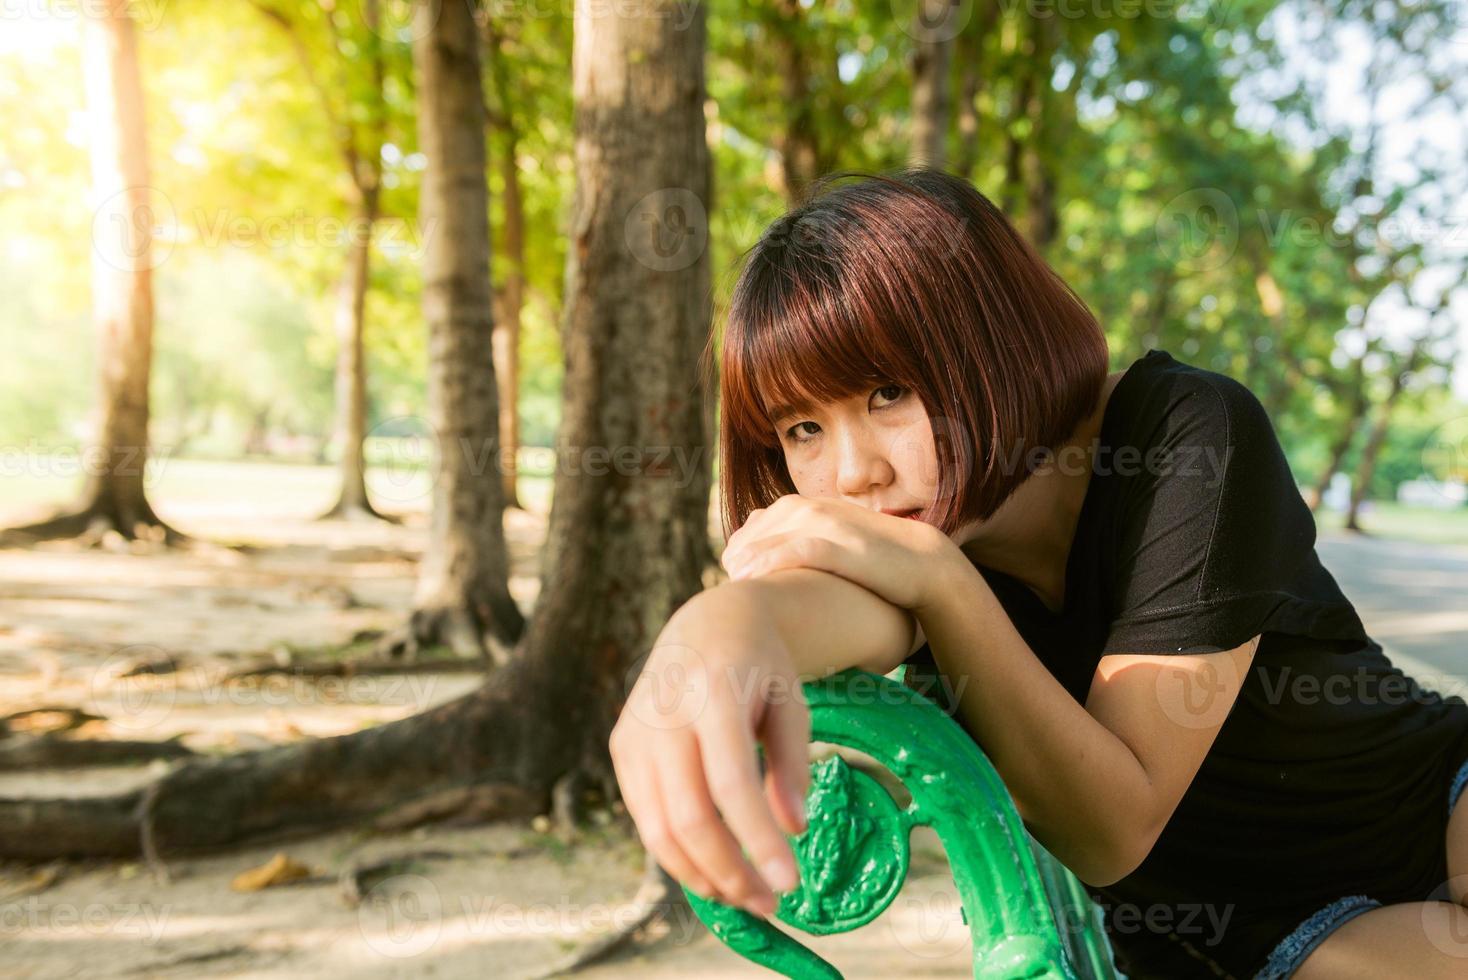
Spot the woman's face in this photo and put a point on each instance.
(874, 449)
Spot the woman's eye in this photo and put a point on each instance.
(791, 432)
(892, 393)
(895, 388)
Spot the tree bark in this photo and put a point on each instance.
(113, 496)
(463, 597)
(509, 296)
(970, 46)
(628, 536)
(351, 368)
(364, 165)
(932, 56)
(799, 145)
(1039, 178)
(1014, 143)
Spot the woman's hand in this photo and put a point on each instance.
(718, 680)
(898, 558)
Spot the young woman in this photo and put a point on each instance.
(1112, 576)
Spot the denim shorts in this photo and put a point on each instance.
(1292, 950)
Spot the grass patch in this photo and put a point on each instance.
(1396, 521)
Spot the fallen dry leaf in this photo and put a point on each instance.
(276, 871)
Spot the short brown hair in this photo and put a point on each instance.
(911, 277)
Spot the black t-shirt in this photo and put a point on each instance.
(1330, 775)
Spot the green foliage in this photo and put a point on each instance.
(1131, 124)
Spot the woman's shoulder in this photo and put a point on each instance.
(1168, 401)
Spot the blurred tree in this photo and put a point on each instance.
(1403, 372)
(353, 105)
(509, 294)
(463, 595)
(113, 496)
(934, 27)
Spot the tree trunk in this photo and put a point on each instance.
(801, 159)
(1372, 449)
(365, 168)
(113, 496)
(1043, 218)
(463, 596)
(627, 541)
(1355, 414)
(970, 45)
(351, 367)
(1159, 306)
(1014, 144)
(509, 297)
(628, 537)
(934, 28)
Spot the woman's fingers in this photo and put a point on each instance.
(786, 737)
(643, 798)
(732, 771)
(701, 832)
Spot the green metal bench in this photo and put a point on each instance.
(853, 854)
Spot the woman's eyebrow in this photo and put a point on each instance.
(781, 411)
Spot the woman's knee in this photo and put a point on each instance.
(1413, 939)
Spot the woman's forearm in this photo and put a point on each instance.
(827, 622)
(1080, 789)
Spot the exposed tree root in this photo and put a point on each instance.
(34, 882)
(498, 743)
(95, 524)
(354, 668)
(488, 636)
(358, 879)
(457, 806)
(659, 900)
(53, 751)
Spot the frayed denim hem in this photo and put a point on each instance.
(1459, 782)
(1292, 950)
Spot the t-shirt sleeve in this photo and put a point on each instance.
(1214, 542)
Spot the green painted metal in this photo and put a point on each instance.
(853, 854)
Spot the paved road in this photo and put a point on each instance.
(1413, 599)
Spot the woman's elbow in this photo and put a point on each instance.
(1114, 863)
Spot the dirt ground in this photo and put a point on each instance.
(509, 900)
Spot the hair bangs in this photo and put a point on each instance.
(813, 326)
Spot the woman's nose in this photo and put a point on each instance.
(860, 465)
